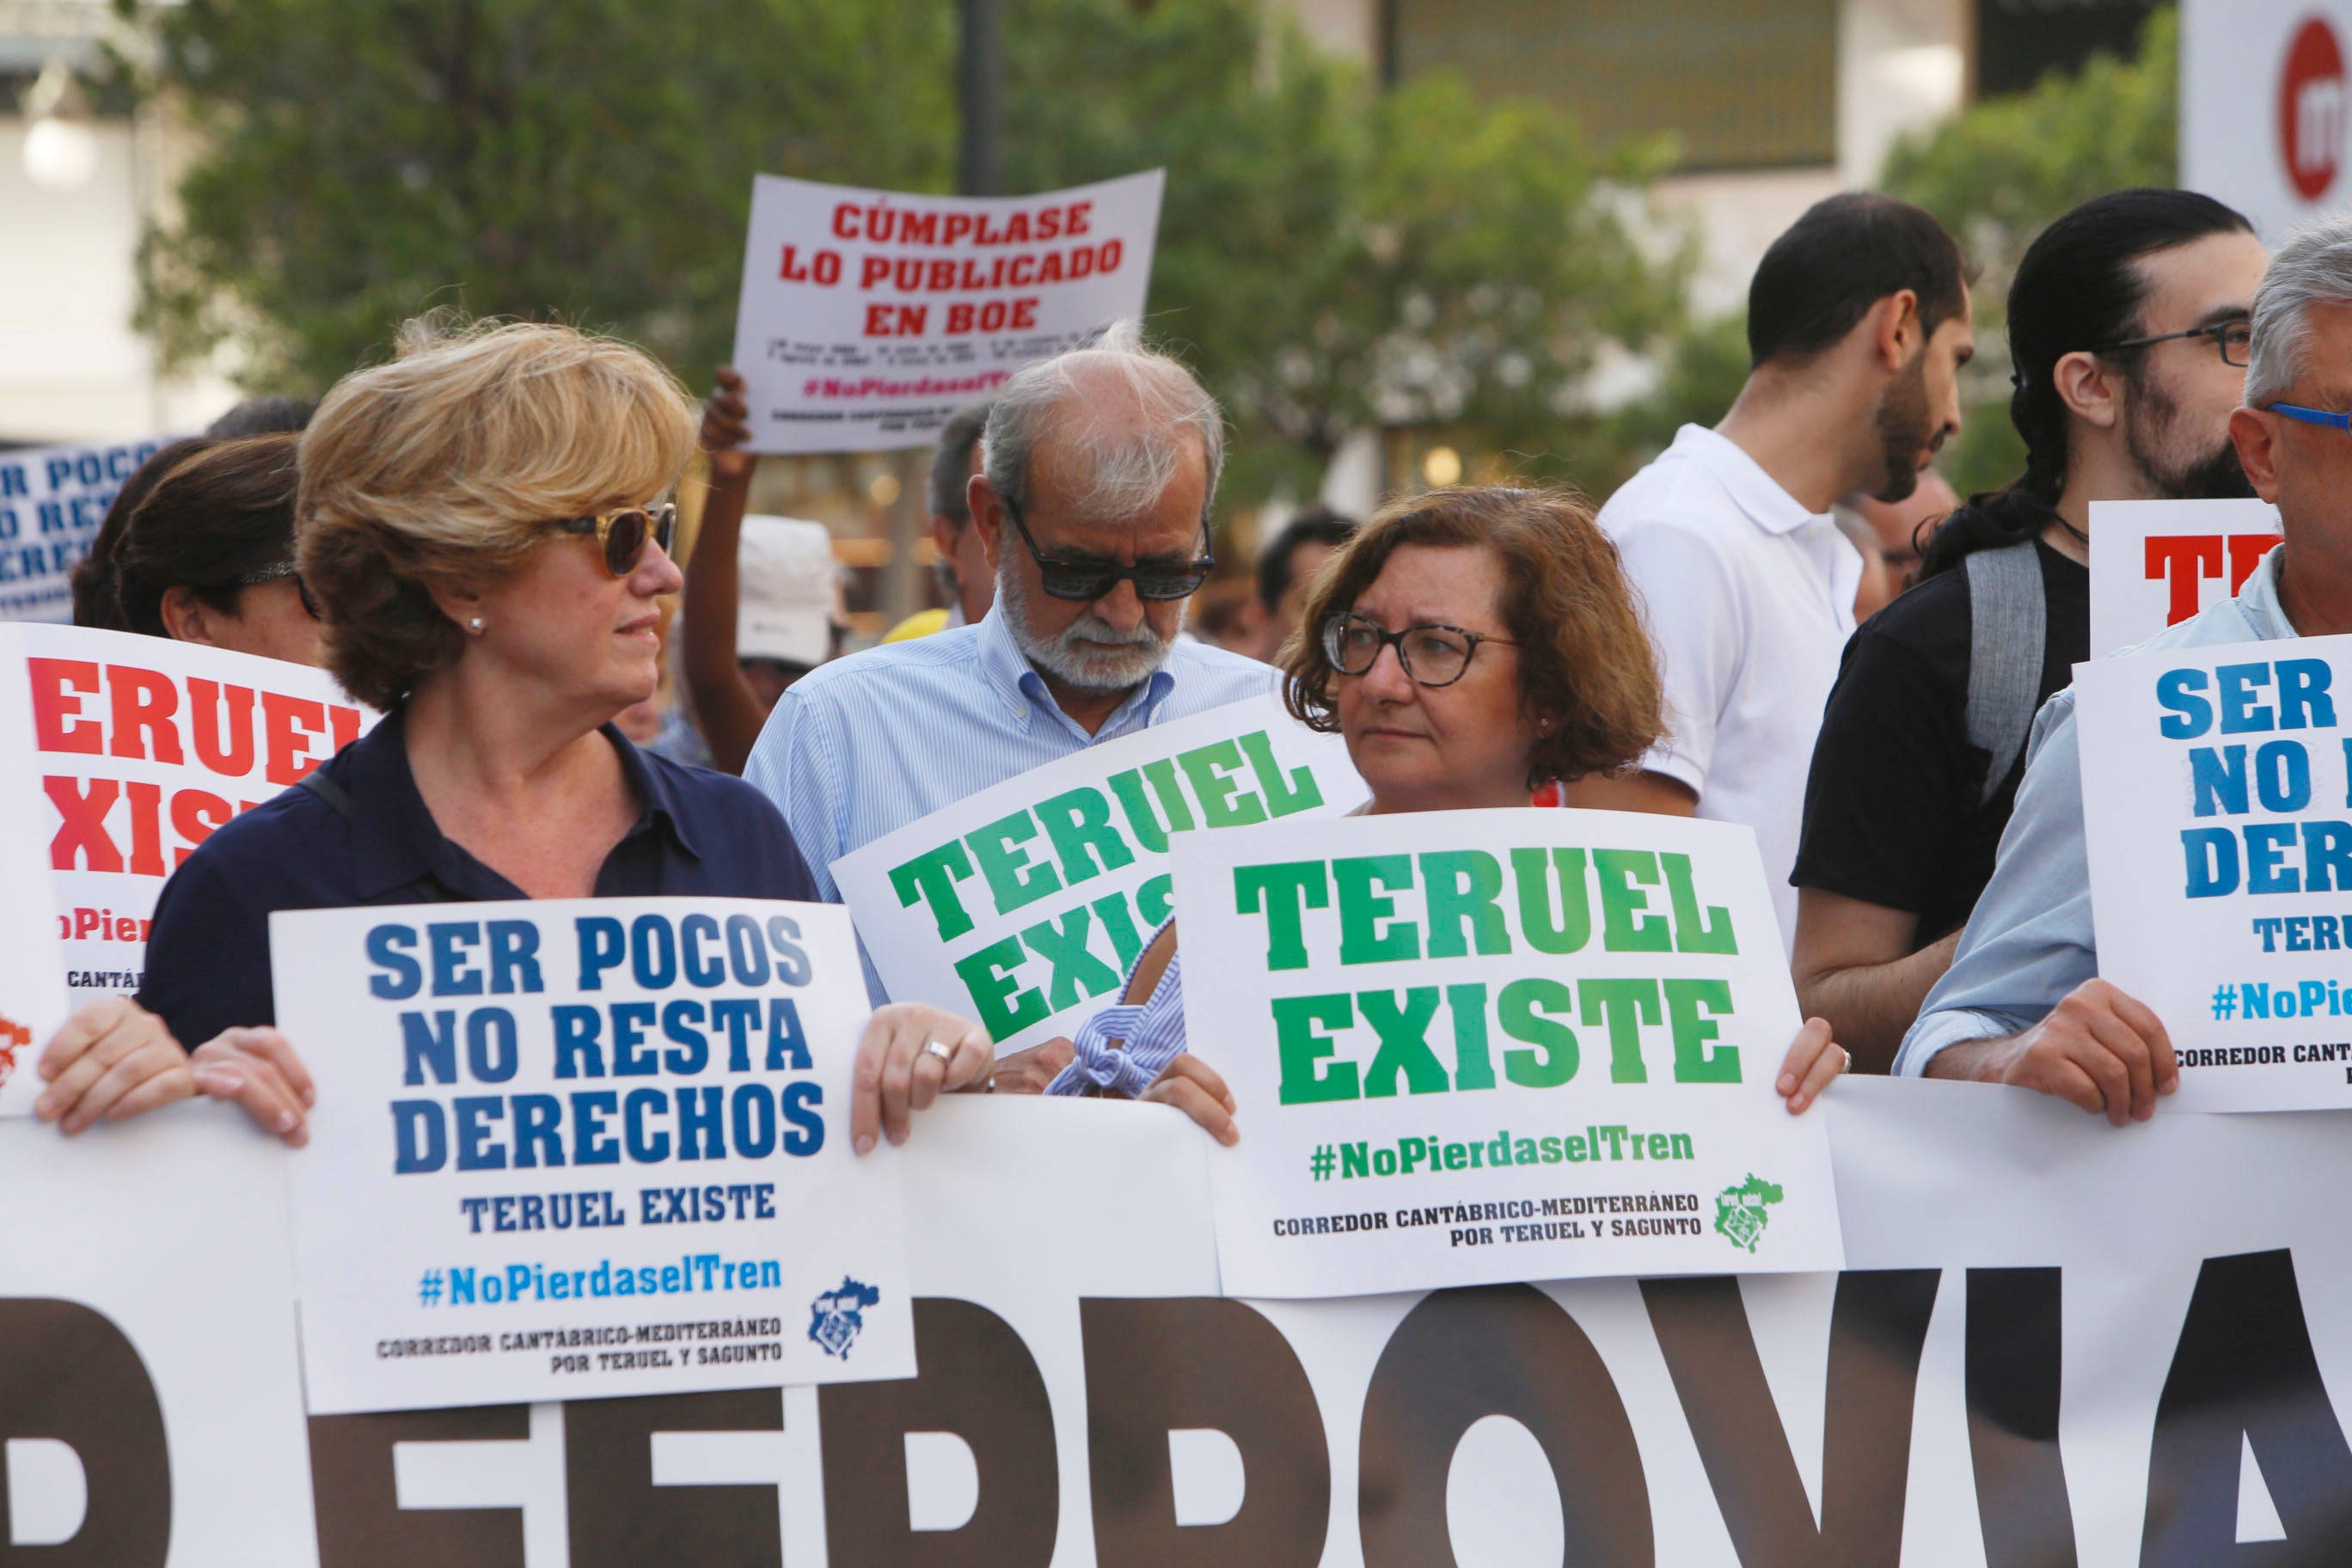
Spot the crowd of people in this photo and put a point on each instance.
(1786, 621)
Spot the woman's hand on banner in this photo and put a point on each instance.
(911, 1054)
(1813, 1059)
(111, 1059)
(259, 1069)
(2098, 1050)
(1197, 1089)
(1030, 1071)
(726, 425)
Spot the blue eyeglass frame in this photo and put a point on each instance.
(2313, 416)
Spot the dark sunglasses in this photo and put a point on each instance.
(623, 534)
(1090, 580)
(284, 569)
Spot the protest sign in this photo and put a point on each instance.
(141, 747)
(867, 317)
(150, 1400)
(2153, 563)
(1395, 1001)
(2219, 835)
(1025, 905)
(585, 1147)
(52, 500)
(33, 1000)
(2057, 1341)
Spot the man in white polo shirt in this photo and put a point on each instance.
(1857, 326)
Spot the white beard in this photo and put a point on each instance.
(1137, 655)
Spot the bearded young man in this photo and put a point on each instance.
(1857, 328)
(2128, 326)
(1092, 504)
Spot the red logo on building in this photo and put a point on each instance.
(2311, 108)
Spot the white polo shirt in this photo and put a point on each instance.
(1749, 601)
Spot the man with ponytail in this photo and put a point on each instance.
(1857, 327)
(2022, 1001)
(2128, 324)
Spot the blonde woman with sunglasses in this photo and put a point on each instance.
(484, 526)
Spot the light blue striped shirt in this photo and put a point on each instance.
(2030, 940)
(1122, 1050)
(863, 746)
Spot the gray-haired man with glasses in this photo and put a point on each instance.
(1092, 505)
(2022, 1002)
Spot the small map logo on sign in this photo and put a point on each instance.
(835, 1320)
(1742, 1213)
(14, 1037)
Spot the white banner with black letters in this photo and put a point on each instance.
(2055, 1342)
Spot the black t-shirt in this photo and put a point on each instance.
(1892, 812)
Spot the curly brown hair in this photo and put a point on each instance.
(1585, 663)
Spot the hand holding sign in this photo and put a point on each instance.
(1481, 1045)
(909, 1055)
(113, 1059)
(575, 1126)
(2098, 1050)
(2220, 850)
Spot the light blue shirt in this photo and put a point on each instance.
(1123, 1049)
(2030, 940)
(863, 746)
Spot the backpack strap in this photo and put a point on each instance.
(424, 890)
(2008, 620)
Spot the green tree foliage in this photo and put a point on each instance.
(1997, 173)
(1331, 257)
(1699, 374)
(585, 159)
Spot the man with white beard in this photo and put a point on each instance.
(1093, 506)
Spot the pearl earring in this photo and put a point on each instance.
(475, 625)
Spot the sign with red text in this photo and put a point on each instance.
(1474, 1046)
(2265, 118)
(2153, 563)
(33, 1000)
(601, 1147)
(140, 748)
(867, 317)
(1026, 905)
(52, 500)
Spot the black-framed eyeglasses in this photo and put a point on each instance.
(2234, 340)
(1090, 579)
(622, 533)
(282, 569)
(1429, 655)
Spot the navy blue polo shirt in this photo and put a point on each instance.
(698, 833)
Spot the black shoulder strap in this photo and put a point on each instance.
(424, 890)
(337, 797)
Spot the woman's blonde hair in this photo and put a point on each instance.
(438, 470)
(1586, 675)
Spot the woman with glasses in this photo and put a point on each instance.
(484, 523)
(207, 556)
(1475, 648)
